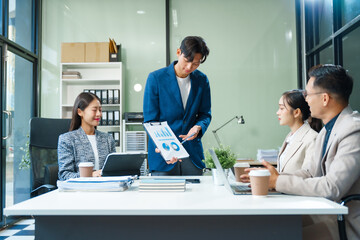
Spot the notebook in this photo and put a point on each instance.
(235, 189)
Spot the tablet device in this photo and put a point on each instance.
(120, 164)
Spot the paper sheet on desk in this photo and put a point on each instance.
(165, 140)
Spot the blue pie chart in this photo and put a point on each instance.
(175, 146)
(166, 147)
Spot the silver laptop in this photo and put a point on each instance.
(235, 189)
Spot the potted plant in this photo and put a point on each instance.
(226, 158)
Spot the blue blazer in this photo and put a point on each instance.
(74, 147)
(162, 102)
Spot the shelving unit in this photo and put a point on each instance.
(133, 141)
(96, 76)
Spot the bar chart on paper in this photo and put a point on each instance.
(165, 140)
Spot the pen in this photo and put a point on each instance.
(187, 138)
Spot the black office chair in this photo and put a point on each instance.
(340, 218)
(44, 134)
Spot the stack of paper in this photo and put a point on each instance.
(111, 184)
(172, 185)
(269, 155)
(71, 75)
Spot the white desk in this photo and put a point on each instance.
(203, 209)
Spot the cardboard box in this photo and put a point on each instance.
(97, 52)
(72, 52)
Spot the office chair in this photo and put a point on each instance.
(340, 217)
(44, 134)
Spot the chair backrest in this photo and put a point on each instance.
(44, 134)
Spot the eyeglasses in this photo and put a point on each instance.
(305, 94)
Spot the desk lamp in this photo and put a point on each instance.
(240, 120)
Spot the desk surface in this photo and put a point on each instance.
(198, 199)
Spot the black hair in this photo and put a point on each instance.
(333, 79)
(296, 100)
(82, 101)
(192, 45)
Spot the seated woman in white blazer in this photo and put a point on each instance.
(299, 143)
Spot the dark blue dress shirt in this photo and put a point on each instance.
(329, 126)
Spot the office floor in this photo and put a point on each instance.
(22, 230)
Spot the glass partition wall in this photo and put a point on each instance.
(332, 35)
(19, 56)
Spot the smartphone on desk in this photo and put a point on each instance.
(195, 180)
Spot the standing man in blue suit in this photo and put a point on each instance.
(180, 95)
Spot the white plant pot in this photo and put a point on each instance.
(216, 178)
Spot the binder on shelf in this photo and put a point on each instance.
(86, 90)
(98, 93)
(111, 96)
(116, 96)
(104, 118)
(111, 134)
(117, 118)
(110, 118)
(92, 91)
(104, 96)
(117, 138)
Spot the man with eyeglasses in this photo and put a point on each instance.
(180, 95)
(334, 170)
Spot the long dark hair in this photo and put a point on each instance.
(295, 99)
(82, 101)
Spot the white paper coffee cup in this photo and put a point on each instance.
(239, 169)
(86, 169)
(259, 180)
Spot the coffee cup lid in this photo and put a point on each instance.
(242, 164)
(86, 164)
(260, 173)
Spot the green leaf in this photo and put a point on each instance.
(226, 157)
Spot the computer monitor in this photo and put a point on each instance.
(120, 164)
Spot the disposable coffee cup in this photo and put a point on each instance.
(86, 169)
(239, 169)
(259, 180)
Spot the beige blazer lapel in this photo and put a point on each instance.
(284, 144)
(296, 143)
(317, 163)
(336, 128)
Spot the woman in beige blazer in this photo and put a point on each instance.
(299, 143)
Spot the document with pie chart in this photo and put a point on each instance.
(165, 140)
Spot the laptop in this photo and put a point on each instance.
(121, 164)
(235, 189)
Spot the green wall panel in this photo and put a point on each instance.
(252, 55)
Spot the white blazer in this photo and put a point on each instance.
(299, 151)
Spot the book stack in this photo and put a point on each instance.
(170, 185)
(103, 184)
(71, 75)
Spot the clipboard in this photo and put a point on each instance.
(165, 140)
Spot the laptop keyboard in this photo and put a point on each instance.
(242, 188)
